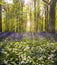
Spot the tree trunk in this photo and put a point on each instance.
(46, 18)
(30, 20)
(52, 16)
(0, 18)
(35, 15)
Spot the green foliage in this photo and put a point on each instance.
(28, 52)
(0, 1)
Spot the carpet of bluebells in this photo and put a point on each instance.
(27, 49)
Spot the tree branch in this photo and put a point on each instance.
(46, 2)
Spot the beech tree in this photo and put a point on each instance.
(52, 16)
(0, 17)
(35, 15)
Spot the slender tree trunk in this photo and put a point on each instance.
(30, 24)
(26, 23)
(46, 18)
(35, 15)
(0, 18)
(22, 19)
(7, 18)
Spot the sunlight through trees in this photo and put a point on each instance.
(16, 13)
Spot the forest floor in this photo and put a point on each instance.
(10, 36)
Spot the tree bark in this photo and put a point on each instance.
(0, 18)
(52, 16)
(46, 18)
(35, 15)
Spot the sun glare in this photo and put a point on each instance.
(26, 1)
(28, 23)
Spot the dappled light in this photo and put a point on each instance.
(28, 25)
